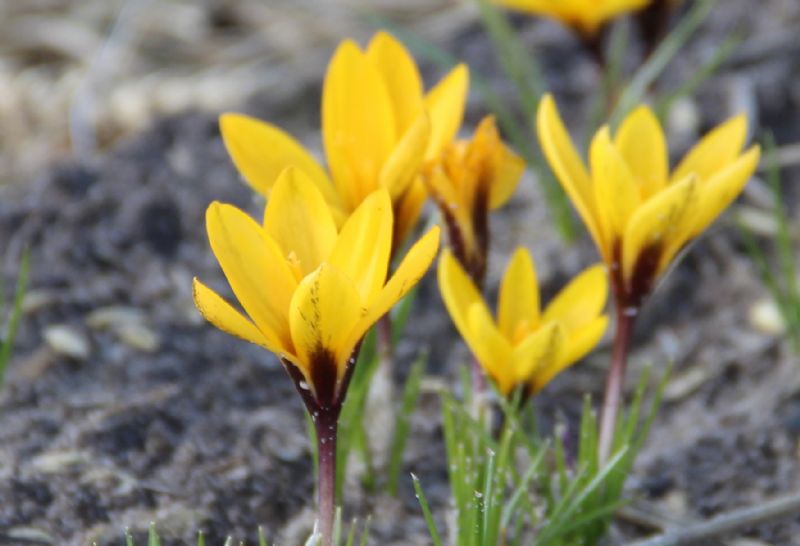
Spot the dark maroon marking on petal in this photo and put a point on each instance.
(299, 380)
(644, 275)
(480, 228)
(324, 376)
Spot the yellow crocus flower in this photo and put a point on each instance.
(639, 215)
(585, 16)
(309, 290)
(378, 129)
(471, 178)
(525, 346)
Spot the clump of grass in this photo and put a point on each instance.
(552, 497)
(778, 274)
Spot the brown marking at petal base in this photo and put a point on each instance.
(480, 228)
(324, 376)
(644, 275)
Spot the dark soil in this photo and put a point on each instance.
(123, 407)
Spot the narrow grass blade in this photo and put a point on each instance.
(403, 421)
(650, 71)
(426, 511)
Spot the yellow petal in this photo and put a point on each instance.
(256, 270)
(715, 151)
(656, 224)
(262, 151)
(569, 169)
(716, 194)
(507, 169)
(550, 367)
(357, 123)
(518, 302)
(445, 104)
(616, 191)
(580, 301)
(222, 315)
(643, 147)
(405, 162)
(324, 309)
(491, 349)
(538, 353)
(407, 211)
(364, 246)
(300, 221)
(414, 265)
(583, 340)
(458, 291)
(401, 76)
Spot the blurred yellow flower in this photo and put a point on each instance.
(309, 290)
(378, 129)
(524, 345)
(471, 178)
(639, 215)
(585, 16)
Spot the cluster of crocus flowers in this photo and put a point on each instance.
(640, 215)
(310, 291)
(586, 17)
(378, 130)
(525, 346)
(470, 179)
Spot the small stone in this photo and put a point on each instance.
(108, 317)
(54, 462)
(30, 535)
(68, 341)
(139, 337)
(766, 317)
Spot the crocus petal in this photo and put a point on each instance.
(458, 291)
(407, 211)
(491, 349)
(716, 150)
(222, 315)
(262, 151)
(300, 221)
(538, 353)
(716, 194)
(357, 123)
(550, 367)
(414, 265)
(583, 340)
(507, 169)
(616, 191)
(324, 309)
(580, 301)
(657, 223)
(255, 268)
(569, 168)
(405, 162)
(401, 76)
(364, 246)
(518, 302)
(643, 147)
(445, 104)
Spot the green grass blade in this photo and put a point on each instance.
(152, 536)
(520, 66)
(403, 420)
(7, 342)
(426, 511)
(634, 93)
(700, 76)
